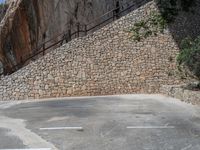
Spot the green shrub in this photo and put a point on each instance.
(3, 9)
(137, 28)
(189, 58)
(151, 26)
(1, 5)
(170, 8)
(158, 22)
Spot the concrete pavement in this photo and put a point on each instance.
(128, 122)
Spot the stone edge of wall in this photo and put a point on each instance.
(179, 92)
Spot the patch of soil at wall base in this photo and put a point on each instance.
(192, 87)
(181, 92)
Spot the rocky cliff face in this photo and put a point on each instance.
(28, 23)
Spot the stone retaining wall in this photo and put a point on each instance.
(104, 63)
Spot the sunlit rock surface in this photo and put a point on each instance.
(28, 23)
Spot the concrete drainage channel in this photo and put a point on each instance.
(129, 122)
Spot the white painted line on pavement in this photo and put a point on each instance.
(150, 127)
(29, 149)
(63, 128)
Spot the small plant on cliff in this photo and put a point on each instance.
(3, 8)
(151, 26)
(189, 58)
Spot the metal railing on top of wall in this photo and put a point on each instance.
(81, 30)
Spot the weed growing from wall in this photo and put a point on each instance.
(152, 26)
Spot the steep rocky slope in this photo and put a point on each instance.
(30, 22)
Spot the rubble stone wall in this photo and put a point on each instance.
(106, 62)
